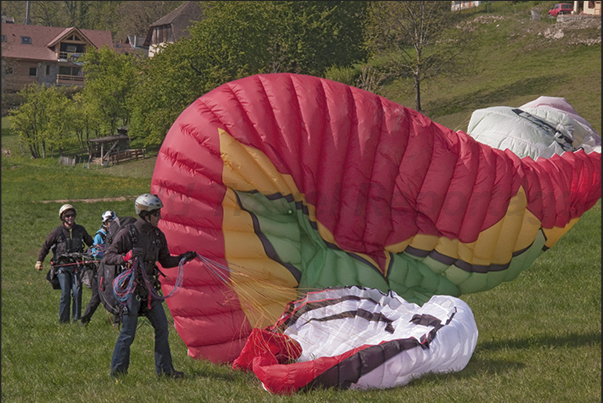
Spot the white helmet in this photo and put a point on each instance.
(64, 208)
(147, 202)
(108, 216)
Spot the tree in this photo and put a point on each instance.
(80, 119)
(101, 15)
(110, 82)
(418, 37)
(42, 120)
(303, 37)
(166, 85)
(237, 39)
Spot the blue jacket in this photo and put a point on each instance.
(98, 249)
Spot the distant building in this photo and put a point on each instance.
(591, 8)
(463, 5)
(132, 45)
(173, 26)
(46, 55)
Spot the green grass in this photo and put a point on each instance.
(512, 63)
(539, 335)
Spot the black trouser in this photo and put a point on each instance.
(94, 300)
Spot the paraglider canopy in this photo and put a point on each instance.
(358, 338)
(290, 182)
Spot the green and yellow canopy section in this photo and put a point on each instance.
(295, 182)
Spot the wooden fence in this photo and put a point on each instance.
(128, 155)
(67, 161)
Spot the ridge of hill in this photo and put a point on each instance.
(513, 60)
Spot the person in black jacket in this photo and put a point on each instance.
(146, 243)
(68, 237)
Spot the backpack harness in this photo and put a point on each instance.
(124, 285)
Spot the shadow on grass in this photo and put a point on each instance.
(570, 340)
(492, 97)
(478, 367)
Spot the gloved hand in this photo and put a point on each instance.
(128, 256)
(138, 252)
(38, 265)
(188, 256)
(135, 252)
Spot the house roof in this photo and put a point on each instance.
(42, 38)
(66, 32)
(126, 48)
(179, 20)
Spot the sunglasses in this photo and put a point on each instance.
(69, 215)
(156, 213)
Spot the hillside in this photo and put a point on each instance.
(514, 60)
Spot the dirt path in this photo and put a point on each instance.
(120, 198)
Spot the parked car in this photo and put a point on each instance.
(561, 8)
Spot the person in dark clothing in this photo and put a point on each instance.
(148, 245)
(98, 250)
(68, 237)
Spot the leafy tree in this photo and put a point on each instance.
(284, 36)
(418, 37)
(167, 84)
(237, 39)
(42, 120)
(81, 121)
(110, 82)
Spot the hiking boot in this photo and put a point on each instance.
(174, 374)
(116, 375)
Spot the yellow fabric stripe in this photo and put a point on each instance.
(262, 285)
(514, 232)
(553, 234)
(247, 168)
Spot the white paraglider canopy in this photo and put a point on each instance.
(360, 338)
(538, 129)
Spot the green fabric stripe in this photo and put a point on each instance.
(296, 241)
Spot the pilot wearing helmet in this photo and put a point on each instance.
(144, 242)
(68, 237)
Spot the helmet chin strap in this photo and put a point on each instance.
(145, 216)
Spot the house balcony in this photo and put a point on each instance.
(63, 79)
(69, 57)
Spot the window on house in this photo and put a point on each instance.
(48, 69)
(26, 40)
(8, 70)
(73, 48)
(70, 71)
(33, 71)
(3, 38)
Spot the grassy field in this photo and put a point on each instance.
(540, 335)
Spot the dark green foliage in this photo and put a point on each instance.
(237, 39)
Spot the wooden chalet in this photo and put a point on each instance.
(172, 26)
(46, 55)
